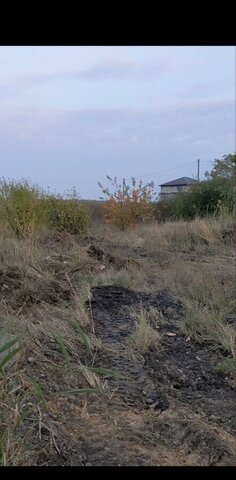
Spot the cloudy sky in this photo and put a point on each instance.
(71, 115)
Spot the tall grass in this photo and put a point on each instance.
(144, 336)
(209, 326)
(9, 347)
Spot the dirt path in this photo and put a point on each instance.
(170, 408)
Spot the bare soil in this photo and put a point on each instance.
(168, 407)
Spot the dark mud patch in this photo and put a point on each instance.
(180, 375)
(169, 408)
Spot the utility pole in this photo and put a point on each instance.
(198, 169)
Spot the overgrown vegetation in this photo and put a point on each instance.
(223, 168)
(128, 205)
(22, 207)
(67, 215)
(208, 197)
(27, 209)
(47, 275)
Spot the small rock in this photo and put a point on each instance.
(31, 359)
(171, 334)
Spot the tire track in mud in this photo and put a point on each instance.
(113, 325)
(179, 376)
(171, 409)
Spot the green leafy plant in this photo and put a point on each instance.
(59, 340)
(21, 207)
(7, 352)
(205, 198)
(67, 214)
(223, 168)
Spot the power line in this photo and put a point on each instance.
(161, 171)
(208, 161)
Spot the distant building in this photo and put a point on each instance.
(170, 189)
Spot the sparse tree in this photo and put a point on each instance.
(223, 168)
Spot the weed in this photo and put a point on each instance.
(144, 337)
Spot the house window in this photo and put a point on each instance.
(180, 189)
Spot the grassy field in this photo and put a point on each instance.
(57, 387)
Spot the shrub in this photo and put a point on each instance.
(21, 207)
(161, 211)
(205, 198)
(66, 215)
(128, 205)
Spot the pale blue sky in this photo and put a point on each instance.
(71, 115)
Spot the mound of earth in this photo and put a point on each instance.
(20, 290)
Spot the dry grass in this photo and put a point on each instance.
(56, 340)
(193, 262)
(189, 259)
(184, 236)
(209, 282)
(144, 337)
(51, 359)
(19, 403)
(209, 326)
(200, 234)
(127, 277)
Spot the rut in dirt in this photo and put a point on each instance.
(113, 325)
(179, 376)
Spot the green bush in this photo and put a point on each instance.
(67, 215)
(21, 207)
(205, 198)
(26, 209)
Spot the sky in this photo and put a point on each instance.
(69, 116)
